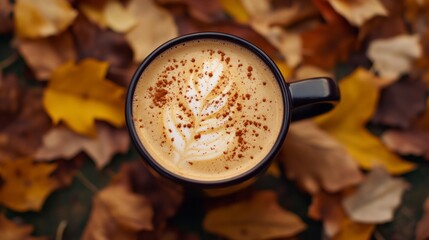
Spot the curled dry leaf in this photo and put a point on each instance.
(35, 20)
(6, 16)
(394, 56)
(422, 231)
(357, 12)
(258, 218)
(154, 27)
(10, 230)
(401, 103)
(60, 142)
(208, 11)
(26, 185)
(316, 160)
(55, 50)
(118, 213)
(78, 94)
(376, 199)
(347, 123)
(21, 135)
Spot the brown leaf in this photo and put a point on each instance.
(93, 42)
(6, 16)
(316, 160)
(308, 71)
(10, 98)
(23, 135)
(358, 12)
(422, 231)
(60, 142)
(26, 184)
(118, 213)
(327, 207)
(10, 230)
(408, 142)
(327, 44)
(55, 50)
(376, 199)
(401, 103)
(145, 37)
(382, 27)
(205, 11)
(258, 218)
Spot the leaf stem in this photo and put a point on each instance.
(60, 230)
(88, 184)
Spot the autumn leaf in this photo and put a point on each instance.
(34, 20)
(10, 230)
(316, 160)
(60, 142)
(144, 38)
(118, 213)
(357, 12)
(112, 14)
(259, 218)
(78, 94)
(308, 71)
(26, 184)
(347, 122)
(55, 50)
(21, 134)
(394, 56)
(235, 9)
(401, 103)
(376, 199)
(381, 28)
(351, 230)
(209, 11)
(10, 96)
(6, 9)
(422, 231)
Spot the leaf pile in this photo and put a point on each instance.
(353, 165)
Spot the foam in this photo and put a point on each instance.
(208, 109)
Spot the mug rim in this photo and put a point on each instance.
(252, 172)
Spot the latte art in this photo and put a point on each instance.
(207, 109)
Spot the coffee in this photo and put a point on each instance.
(207, 109)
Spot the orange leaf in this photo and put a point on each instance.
(10, 230)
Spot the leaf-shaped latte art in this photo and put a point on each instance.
(195, 128)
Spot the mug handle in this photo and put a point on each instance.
(312, 97)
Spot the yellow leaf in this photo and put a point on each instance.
(347, 123)
(34, 19)
(80, 94)
(95, 14)
(236, 9)
(259, 218)
(354, 231)
(26, 184)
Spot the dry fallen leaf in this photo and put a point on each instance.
(209, 11)
(351, 230)
(259, 218)
(26, 184)
(376, 198)
(118, 213)
(422, 231)
(382, 27)
(60, 142)
(408, 142)
(21, 135)
(236, 10)
(34, 19)
(10, 230)
(55, 50)
(10, 98)
(308, 71)
(394, 56)
(5, 16)
(401, 103)
(316, 160)
(145, 37)
(78, 94)
(347, 123)
(357, 12)
(327, 207)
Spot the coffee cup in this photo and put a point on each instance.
(210, 110)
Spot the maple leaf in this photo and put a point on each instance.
(112, 14)
(79, 94)
(358, 11)
(60, 142)
(376, 198)
(35, 20)
(347, 123)
(118, 213)
(21, 133)
(258, 218)
(422, 230)
(56, 50)
(144, 37)
(316, 160)
(26, 184)
(394, 56)
(10, 230)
